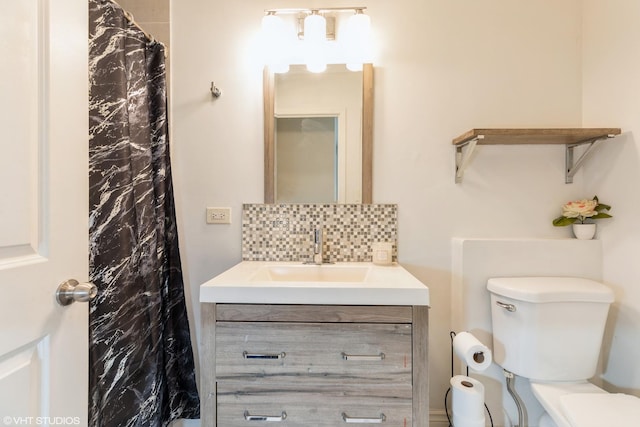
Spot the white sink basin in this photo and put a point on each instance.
(348, 283)
(312, 273)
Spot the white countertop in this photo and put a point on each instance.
(250, 282)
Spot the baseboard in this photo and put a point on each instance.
(438, 418)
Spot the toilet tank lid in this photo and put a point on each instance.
(550, 289)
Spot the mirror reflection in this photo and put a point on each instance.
(315, 125)
(307, 159)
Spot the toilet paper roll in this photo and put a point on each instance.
(467, 402)
(476, 355)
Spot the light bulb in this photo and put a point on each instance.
(315, 28)
(276, 43)
(358, 35)
(360, 24)
(315, 31)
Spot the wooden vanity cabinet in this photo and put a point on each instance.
(313, 365)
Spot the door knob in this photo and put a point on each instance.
(72, 291)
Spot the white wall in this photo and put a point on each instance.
(441, 68)
(611, 94)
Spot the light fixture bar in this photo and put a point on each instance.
(319, 10)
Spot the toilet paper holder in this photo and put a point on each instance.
(475, 355)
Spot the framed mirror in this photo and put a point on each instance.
(317, 140)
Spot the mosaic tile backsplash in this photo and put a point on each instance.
(284, 232)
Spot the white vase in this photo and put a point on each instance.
(584, 231)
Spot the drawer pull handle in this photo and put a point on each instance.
(378, 420)
(278, 418)
(361, 357)
(247, 355)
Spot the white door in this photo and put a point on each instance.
(43, 211)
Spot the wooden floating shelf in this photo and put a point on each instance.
(570, 137)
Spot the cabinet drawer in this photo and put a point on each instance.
(312, 407)
(374, 353)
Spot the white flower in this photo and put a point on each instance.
(580, 209)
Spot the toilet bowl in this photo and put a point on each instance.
(549, 330)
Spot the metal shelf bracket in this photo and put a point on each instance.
(463, 156)
(573, 167)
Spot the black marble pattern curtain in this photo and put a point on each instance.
(141, 359)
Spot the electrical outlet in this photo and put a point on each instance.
(218, 215)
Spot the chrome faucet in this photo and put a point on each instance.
(318, 256)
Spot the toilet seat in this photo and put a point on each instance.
(596, 410)
(549, 394)
(583, 404)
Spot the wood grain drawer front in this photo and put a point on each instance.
(377, 353)
(310, 407)
(313, 313)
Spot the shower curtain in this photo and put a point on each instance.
(141, 360)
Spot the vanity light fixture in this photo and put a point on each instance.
(315, 28)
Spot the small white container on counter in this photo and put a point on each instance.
(382, 253)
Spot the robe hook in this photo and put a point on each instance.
(215, 91)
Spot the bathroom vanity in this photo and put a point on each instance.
(283, 344)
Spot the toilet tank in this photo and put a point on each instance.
(548, 328)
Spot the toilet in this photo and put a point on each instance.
(549, 330)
